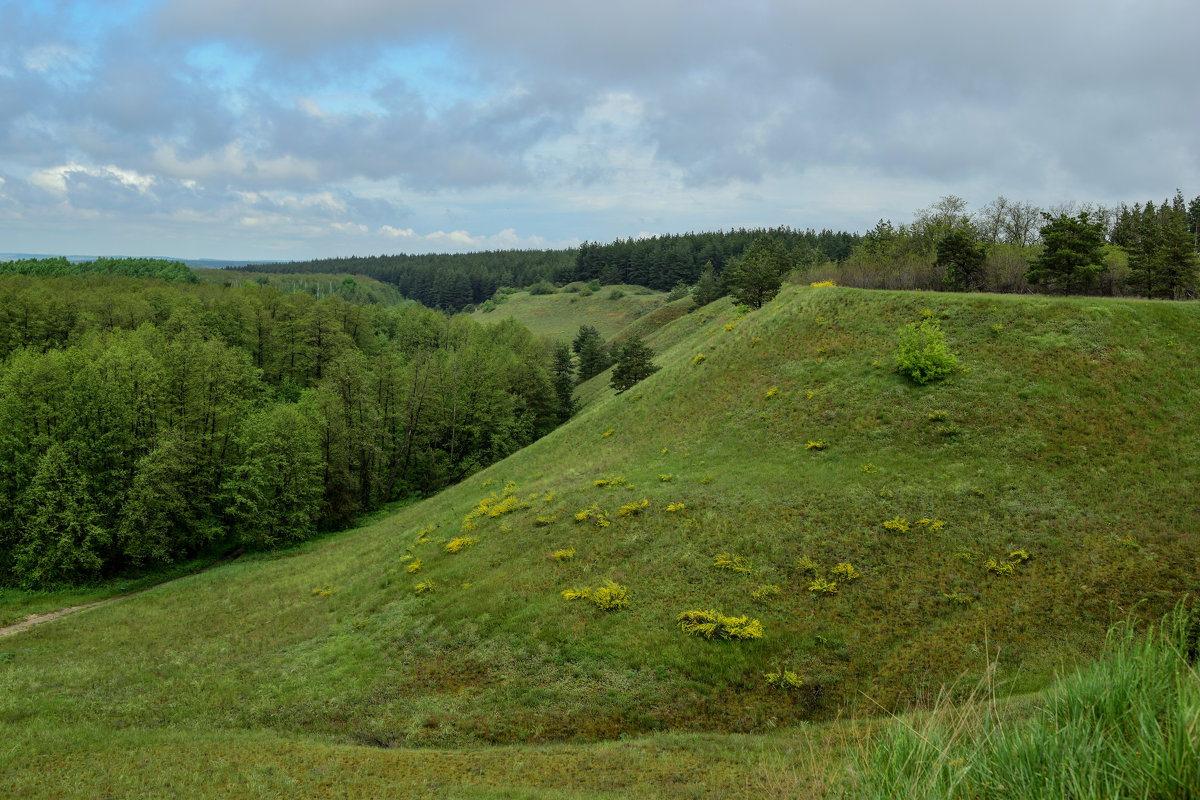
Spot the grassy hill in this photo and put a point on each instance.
(559, 315)
(779, 444)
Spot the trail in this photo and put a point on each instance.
(38, 619)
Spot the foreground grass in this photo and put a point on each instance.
(1072, 438)
(126, 764)
(1126, 726)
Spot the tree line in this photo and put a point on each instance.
(460, 281)
(144, 423)
(1148, 250)
(449, 281)
(160, 268)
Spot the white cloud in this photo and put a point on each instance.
(47, 58)
(55, 179)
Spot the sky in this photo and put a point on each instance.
(295, 129)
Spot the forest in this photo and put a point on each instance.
(459, 281)
(142, 422)
(161, 268)
(1139, 250)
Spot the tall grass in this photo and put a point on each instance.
(1127, 726)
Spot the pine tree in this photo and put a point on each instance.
(564, 381)
(634, 362)
(593, 354)
(1176, 257)
(1072, 256)
(1143, 246)
(756, 277)
(963, 259)
(708, 288)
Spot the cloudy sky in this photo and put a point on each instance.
(308, 128)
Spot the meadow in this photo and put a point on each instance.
(858, 542)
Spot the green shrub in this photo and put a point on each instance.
(922, 354)
(616, 294)
(542, 287)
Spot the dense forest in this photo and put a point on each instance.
(444, 280)
(456, 281)
(1139, 249)
(57, 267)
(144, 421)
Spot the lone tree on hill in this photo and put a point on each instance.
(755, 278)
(1073, 255)
(633, 363)
(564, 381)
(963, 259)
(708, 288)
(593, 354)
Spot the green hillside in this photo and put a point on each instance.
(559, 315)
(769, 449)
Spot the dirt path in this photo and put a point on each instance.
(38, 619)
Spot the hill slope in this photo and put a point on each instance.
(559, 315)
(1072, 437)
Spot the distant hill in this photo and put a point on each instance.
(559, 314)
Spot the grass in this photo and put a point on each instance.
(1076, 442)
(558, 316)
(1126, 726)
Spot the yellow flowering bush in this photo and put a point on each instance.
(675, 506)
(765, 592)
(563, 555)
(806, 566)
(611, 596)
(699, 359)
(784, 679)
(602, 483)
(596, 514)
(817, 445)
(897, 524)
(635, 507)
(508, 504)
(822, 284)
(1002, 568)
(846, 572)
(324, 591)
(822, 586)
(415, 566)
(774, 390)
(424, 587)
(608, 433)
(460, 543)
(731, 562)
(714, 625)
